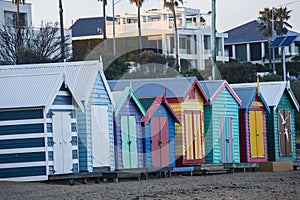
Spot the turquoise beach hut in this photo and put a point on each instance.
(221, 122)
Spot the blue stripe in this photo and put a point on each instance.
(49, 128)
(71, 111)
(74, 141)
(21, 129)
(22, 143)
(74, 154)
(75, 167)
(50, 141)
(22, 157)
(21, 115)
(50, 155)
(73, 126)
(63, 100)
(22, 172)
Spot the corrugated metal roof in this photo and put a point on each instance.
(175, 87)
(246, 94)
(249, 32)
(211, 87)
(29, 90)
(272, 92)
(80, 76)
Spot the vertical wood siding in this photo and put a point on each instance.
(98, 96)
(129, 108)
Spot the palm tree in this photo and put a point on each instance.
(171, 4)
(104, 3)
(19, 37)
(279, 17)
(139, 4)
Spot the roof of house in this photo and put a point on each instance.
(175, 87)
(213, 88)
(249, 33)
(75, 74)
(88, 26)
(273, 91)
(121, 96)
(31, 90)
(247, 94)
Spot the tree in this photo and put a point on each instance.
(139, 4)
(280, 17)
(39, 45)
(171, 4)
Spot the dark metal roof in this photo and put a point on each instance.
(175, 87)
(249, 33)
(88, 26)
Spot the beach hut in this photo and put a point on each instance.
(128, 113)
(281, 133)
(252, 123)
(221, 123)
(95, 121)
(159, 132)
(186, 98)
(38, 126)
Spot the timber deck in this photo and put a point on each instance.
(243, 166)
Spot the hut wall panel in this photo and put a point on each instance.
(22, 129)
(243, 140)
(99, 96)
(271, 131)
(129, 108)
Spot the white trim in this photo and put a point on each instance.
(73, 120)
(23, 164)
(23, 150)
(24, 121)
(27, 178)
(62, 107)
(63, 93)
(22, 136)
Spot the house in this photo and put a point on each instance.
(186, 98)
(246, 43)
(95, 121)
(221, 122)
(8, 13)
(159, 132)
(38, 127)
(252, 123)
(194, 35)
(128, 113)
(281, 133)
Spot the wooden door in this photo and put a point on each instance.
(285, 133)
(226, 139)
(160, 142)
(100, 136)
(257, 147)
(193, 135)
(62, 146)
(129, 142)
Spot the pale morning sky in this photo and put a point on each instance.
(230, 13)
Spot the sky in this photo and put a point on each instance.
(230, 13)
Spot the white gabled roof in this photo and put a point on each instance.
(23, 91)
(78, 76)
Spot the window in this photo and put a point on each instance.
(10, 18)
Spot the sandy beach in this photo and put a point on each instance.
(258, 185)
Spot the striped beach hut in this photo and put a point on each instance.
(38, 127)
(95, 121)
(128, 113)
(159, 132)
(221, 123)
(252, 123)
(186, 98)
